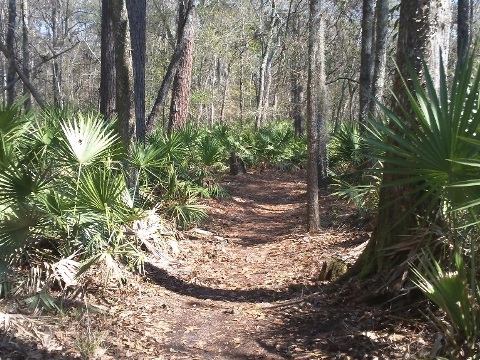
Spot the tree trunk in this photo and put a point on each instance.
(297, 88)
(366, 61)
(268, 53)
(10, 40)
(188, 7)
(322, 104)
(124, 73)
(380, 62)
(56, 66)
(107, 66)
(224, 94)
(463, 32)
(26, 55)
(395, 218)
(241, 89)
(440, 17)
(312, 125)
(183, 78)
(137, 15)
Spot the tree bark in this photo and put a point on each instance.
(124, 73)
(183, 78)
(463, 32)
(395, 219)
(366, 61)
(172, 66)
(10, 42)
(440, 16)
(312, 125)
(26, 54)
(380, 61)
(268, 53)
(137, 15)
(107, 66)
(322, 104)
(56, 65)
(36, 95)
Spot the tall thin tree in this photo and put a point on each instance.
(380, 57)
(313, 208)
(107, 64)
(366, 60)
(26, 54)
(124, 72)
(10, 43)
(137, 16)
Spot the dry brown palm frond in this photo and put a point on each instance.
(157, 235)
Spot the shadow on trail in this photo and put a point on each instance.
(13, 348)
(321, 326)
(170, 282)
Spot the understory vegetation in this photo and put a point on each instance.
(432, 148)
(71, 196)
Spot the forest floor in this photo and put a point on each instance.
(247, 284)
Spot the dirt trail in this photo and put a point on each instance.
(246, 287)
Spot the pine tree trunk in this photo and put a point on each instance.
(186, 18)
(183, 78)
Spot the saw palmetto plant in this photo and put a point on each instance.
(432, 148)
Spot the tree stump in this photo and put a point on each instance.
(237, 166)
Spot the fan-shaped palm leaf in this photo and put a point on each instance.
(102, 190)
(88, 138)
(422, 144)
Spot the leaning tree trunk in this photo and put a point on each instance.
(183, 78)
(124, 73)
(186, 12)
(395, 219)
(10, 42)
(107, 64)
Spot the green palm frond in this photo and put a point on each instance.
(88, 138)
(185, 214)
(451, 291)
(421, 145)
(12, 124)
(17, 182)
(16, 230)
(146, 157)
(211, 151)
(102, 190)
